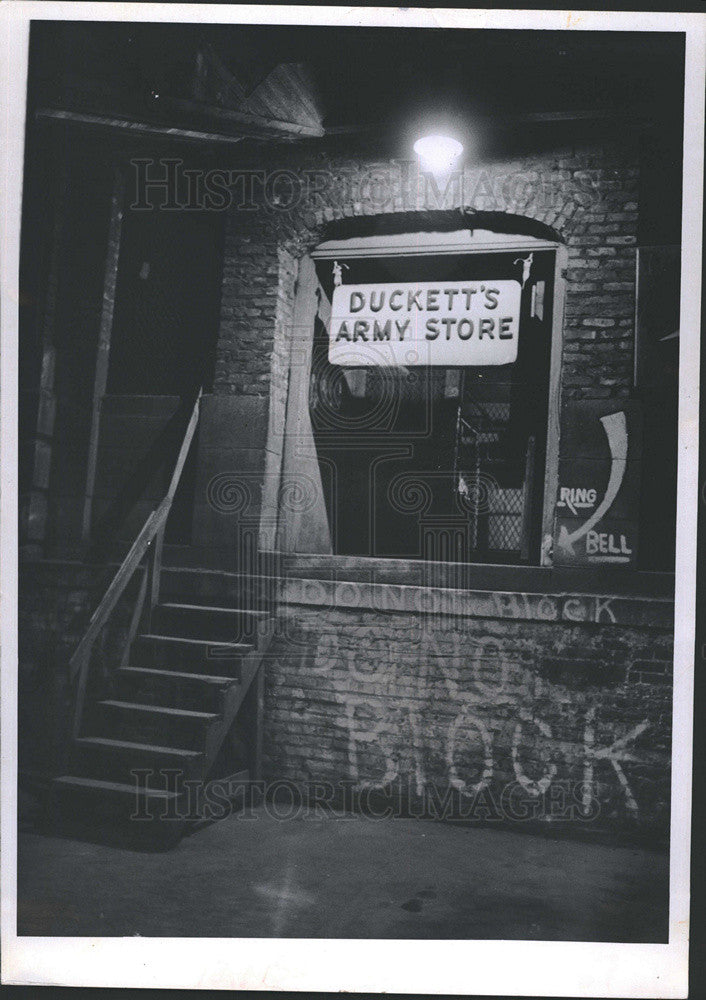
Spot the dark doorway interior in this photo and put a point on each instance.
(163, 341)
(166, 306)
(436, 462)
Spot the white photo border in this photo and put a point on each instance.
(510, 968)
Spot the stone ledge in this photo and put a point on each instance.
(657, 613)
(569, 607)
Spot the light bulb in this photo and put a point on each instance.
(437, 153)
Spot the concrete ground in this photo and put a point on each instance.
(347, 877)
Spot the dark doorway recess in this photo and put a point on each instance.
(164, 335)
(437, 462)
(167, 301)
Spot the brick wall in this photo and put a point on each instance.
(55, 602)
(518, 720)
(476, 704)
(523, 708)
(588, 198)
(286, 201)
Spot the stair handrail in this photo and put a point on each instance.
(151, 531)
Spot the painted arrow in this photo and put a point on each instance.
(615, 426)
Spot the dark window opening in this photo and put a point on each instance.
(437, 462)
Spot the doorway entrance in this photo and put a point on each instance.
(437, 462)
(162, 349)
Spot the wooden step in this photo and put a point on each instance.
(192, 655)
(125, 815)
(215, 587)
(111, 787)
(98, 800)
(114, 760)
(173, 688)
(216, 624)
(134, 721)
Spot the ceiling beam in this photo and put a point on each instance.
(253, 126)
(133, 127)
(639, 112)
(244, 118)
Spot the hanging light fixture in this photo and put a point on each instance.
(438, 153)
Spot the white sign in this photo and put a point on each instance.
(425, 323)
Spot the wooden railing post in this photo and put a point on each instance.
(158, 544)
(150, 540)
(156, 568)
(136, 619)
(82, 681)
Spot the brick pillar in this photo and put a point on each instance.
(242, 421)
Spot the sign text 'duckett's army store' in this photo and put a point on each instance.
(425, 323)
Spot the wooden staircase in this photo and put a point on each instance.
(171, 709)
(150, 736)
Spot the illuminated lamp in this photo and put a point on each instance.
(437, 153)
